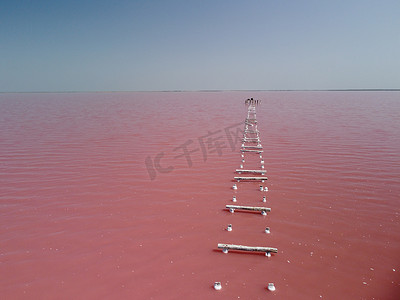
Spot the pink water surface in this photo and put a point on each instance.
(99, 201)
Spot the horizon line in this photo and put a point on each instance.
(205, 90)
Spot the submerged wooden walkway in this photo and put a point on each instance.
(251, 144)
(251, 148)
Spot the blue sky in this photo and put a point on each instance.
(198, 45)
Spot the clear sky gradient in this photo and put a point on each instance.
(151, 45)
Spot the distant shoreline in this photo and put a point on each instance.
(207, 91)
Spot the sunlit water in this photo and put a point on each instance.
(122, 196)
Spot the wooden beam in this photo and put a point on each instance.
(250, 122)
(246, 150)
(251, 131)
(251, 171)
(253, 147)
(255, 141)
(246, 248)
(251, 143)
(250, 178)
(251, 208)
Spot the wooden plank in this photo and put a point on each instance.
(246, 150)
(253, 147)
(255, 141)
(250, 178)
(247, 248)
(251, 208)
(251, 141)
(251, 171)
(251, 131)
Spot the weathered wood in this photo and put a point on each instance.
(253, 147)
(250, 178)
(251, 131)
(251, 140)
(251, 208)
(247, 248)
(252, 143)
(248, 150)
(251, 171)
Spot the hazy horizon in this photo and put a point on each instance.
(206, 91)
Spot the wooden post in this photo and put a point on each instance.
(247, 248)
(251, 208)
